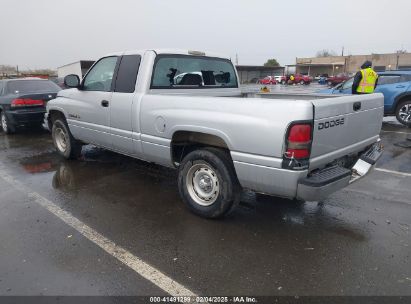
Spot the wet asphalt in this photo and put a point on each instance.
(357, 242)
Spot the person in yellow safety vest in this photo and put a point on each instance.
(291, 79)
(365, 80)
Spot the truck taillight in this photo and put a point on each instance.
(26, 102)
(299, 141)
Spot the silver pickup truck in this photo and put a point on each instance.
(184, 109)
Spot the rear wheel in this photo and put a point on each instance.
(403, 112)
(208, 184)
(64, 142)
(7, 127)
(302, 82)
(283, 82)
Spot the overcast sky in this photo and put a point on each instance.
(51, 33)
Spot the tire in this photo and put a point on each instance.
(330, 83)
(7, 127)
(208, 184)
(403, 112)
(283, 82)
(64, 141)
(302, 82)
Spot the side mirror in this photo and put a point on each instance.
(72, 81)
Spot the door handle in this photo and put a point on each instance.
(104, 103)
(400, 86)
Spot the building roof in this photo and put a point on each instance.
(317, 64)
(258, 68)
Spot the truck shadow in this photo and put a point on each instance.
(121, 180)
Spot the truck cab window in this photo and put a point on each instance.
(100, 76)
(127, 74)
(182, 71)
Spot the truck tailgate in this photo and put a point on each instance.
(345, 125)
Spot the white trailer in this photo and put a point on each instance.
(78, 68)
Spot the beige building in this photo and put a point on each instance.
(252, 73)
(350, 64)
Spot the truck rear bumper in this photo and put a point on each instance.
(322, 183)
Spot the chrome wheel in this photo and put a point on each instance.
(4, 122)
(202, 184)
(404, 114)
(61, 140)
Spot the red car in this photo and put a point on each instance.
(298, 78)
(268, 80)
(334, 80)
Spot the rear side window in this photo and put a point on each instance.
(405, 78)
(388, 79)
(127, 74)
(31, 86)
(182, 71)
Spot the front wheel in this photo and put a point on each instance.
(7, 127)
(64, 142)
(302, 82)
(403, 113)
(208, 184)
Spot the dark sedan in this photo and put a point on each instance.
(23, 102)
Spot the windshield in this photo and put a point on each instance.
(31, 86)
(174, 71)
(347, 84)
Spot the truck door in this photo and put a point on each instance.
(124, 108)
(88, 109)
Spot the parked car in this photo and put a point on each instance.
(320, 76)
(268, 80)
(60, 82)
(337, 79)
(23, 102)
(218, 141)
(278, 78)
(396, 88)
(298, 78)
(182, 78)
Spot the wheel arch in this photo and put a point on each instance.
(53, 114)
(185, 141)
(400, 98)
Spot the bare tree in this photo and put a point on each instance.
(7, 69)
(325, 53)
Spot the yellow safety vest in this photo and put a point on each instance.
(368, 80)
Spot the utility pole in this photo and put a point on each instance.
(236, 59)
(17, 70)
(342, 51)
